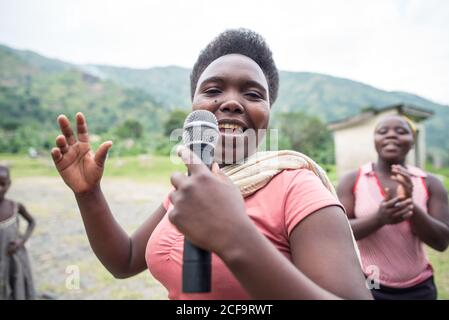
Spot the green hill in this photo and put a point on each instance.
(34, 89)
(328, 97)
(168, 85)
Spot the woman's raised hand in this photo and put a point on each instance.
(405, 184)
(394, 210)
(78, 166)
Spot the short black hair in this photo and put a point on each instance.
(241, 41)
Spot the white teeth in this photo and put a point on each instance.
(230, 126)
(235, 128)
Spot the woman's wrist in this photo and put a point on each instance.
(417, 213)
(379, 220)
(236, 247)
(89, 194)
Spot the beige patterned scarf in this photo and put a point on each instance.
(261, 167)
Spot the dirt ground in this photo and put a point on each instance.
(64, 266)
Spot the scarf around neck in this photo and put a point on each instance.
(258, 169)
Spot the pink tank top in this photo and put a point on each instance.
(393, 251)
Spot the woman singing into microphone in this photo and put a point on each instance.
(272, 220)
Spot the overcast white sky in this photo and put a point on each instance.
(391, 44)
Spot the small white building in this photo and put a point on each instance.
(354, 136)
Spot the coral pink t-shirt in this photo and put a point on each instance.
(275, 209)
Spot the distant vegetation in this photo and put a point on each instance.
(307, 134)
(136, 108)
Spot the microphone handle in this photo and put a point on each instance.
(196, 266)
(196, 269)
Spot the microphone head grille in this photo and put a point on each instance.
(201, 126)
(201, 115)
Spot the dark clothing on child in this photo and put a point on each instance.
(16, 282)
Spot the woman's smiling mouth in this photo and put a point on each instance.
(230, 127)
(391, 146)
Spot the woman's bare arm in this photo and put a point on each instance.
(362, 227)
(323, 249)
(122, 255)
(325, 265)
(433, 228)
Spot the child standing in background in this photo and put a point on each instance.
(16, 282)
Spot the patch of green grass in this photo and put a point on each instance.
(144, 167)
(331, 171)
(442, 173)
(440, 263)
(101, 280)
(153, 168)
(24, 166)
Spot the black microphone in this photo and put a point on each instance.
(200, 135)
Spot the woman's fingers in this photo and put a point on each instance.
(402, 179)
(191, 160)
(387, 194)
(402, 211)
(401, 170)
(66, 130)
(392, 210)
(56, 155)
(177, 179)
(404, 203)
(215, 168)
(391, 203)
(102, 153)
(81, 127)
(408, 215)
(402, 174)
(405, 187)
(401, 192)
(62, 144)
(401, 215)
(217, 172)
